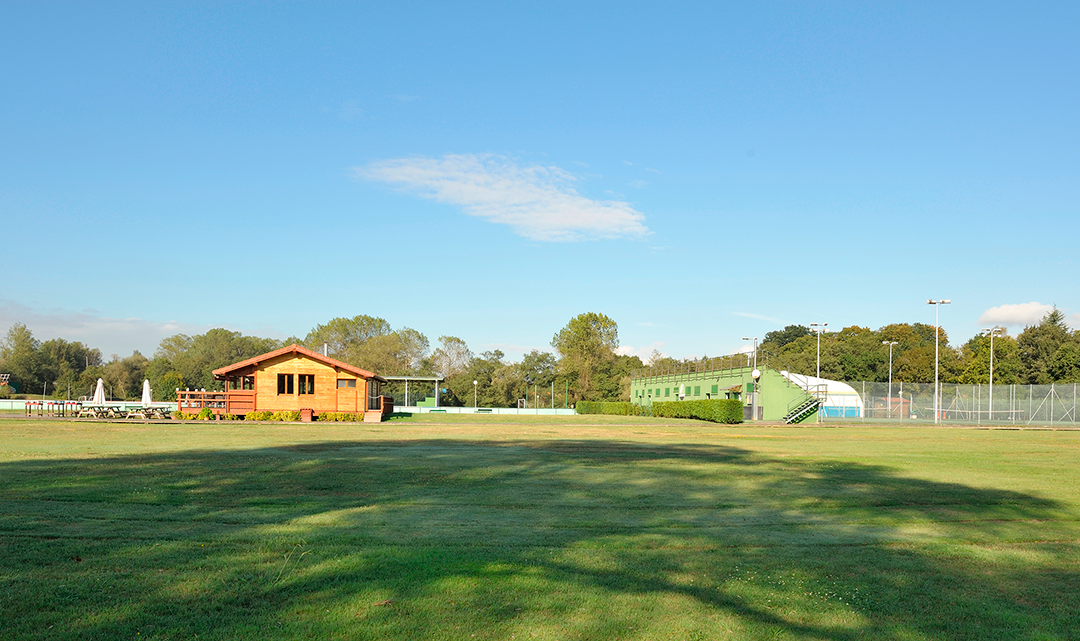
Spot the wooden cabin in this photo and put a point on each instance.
(296, 379)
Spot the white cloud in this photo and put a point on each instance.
(537, 202)
(120, 336)
(638, 184)
(1021, 314)
(644, 353)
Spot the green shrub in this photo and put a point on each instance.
(722, 410)
(229, 417)
(257, 416)
(178, 415)
(337, 417)
(618, 408)
(285, 415)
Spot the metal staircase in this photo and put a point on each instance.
(801, 408)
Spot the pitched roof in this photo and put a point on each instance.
(221, 372)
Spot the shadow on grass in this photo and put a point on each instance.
(583, 539)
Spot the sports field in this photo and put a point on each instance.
(536, 528)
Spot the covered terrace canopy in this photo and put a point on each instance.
(417, 379)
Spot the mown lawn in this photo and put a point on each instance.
(550, 528)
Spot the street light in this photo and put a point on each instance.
(755, 375)
(474, 395)
(890, 344)
(992, 332)
(937, 331)
(819, 332)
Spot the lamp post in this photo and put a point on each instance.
(992, 332)
(821, 329)
(755, 374)
(890, 344)
(474, 395)
(937, 332)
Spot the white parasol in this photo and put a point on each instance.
(146, 398)
(99, 393)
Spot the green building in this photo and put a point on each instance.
(777, 397)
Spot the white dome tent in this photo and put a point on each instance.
(841, 399)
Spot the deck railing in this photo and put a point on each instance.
(227, 402)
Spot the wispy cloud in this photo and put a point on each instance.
(759, 317)
(1020, 314)
(638, 184)
(537, 202)
(351, 111)
(111, 335)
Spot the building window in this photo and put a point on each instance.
(346, 382)
(697, 390)
(714, 388)
(306, 383)
(667, 391)
(285, 383)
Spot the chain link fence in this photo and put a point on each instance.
(1042, 405)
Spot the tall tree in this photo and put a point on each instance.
(188, 362)
(19, 357)
(789, 334)
(399, 353)
(586, 344)
(65, 364)
(538, 368)
(452, 357)
(1038, 344)
(975, 355)
(342, 334)
(124, 377)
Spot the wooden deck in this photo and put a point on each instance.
(241, 402)
(227, 402)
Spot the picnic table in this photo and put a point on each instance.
(101, 411)
(146, 412)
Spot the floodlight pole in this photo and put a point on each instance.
(890, 344)
(937, 332)
(474, 395)
(993, 331)
(822, 327)
(754, 396)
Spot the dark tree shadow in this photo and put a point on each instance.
(428, 539)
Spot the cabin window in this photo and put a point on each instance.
(346, 382)
(306, 383)
(284, 383)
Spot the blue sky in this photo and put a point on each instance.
(698, 172)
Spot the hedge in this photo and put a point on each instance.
(619, 408)
(716, 410)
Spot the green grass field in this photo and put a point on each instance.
(536, 528)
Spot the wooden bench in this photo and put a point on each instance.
(436, 411)
(484, 410)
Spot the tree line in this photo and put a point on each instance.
(584, 364)
(1044, 353)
